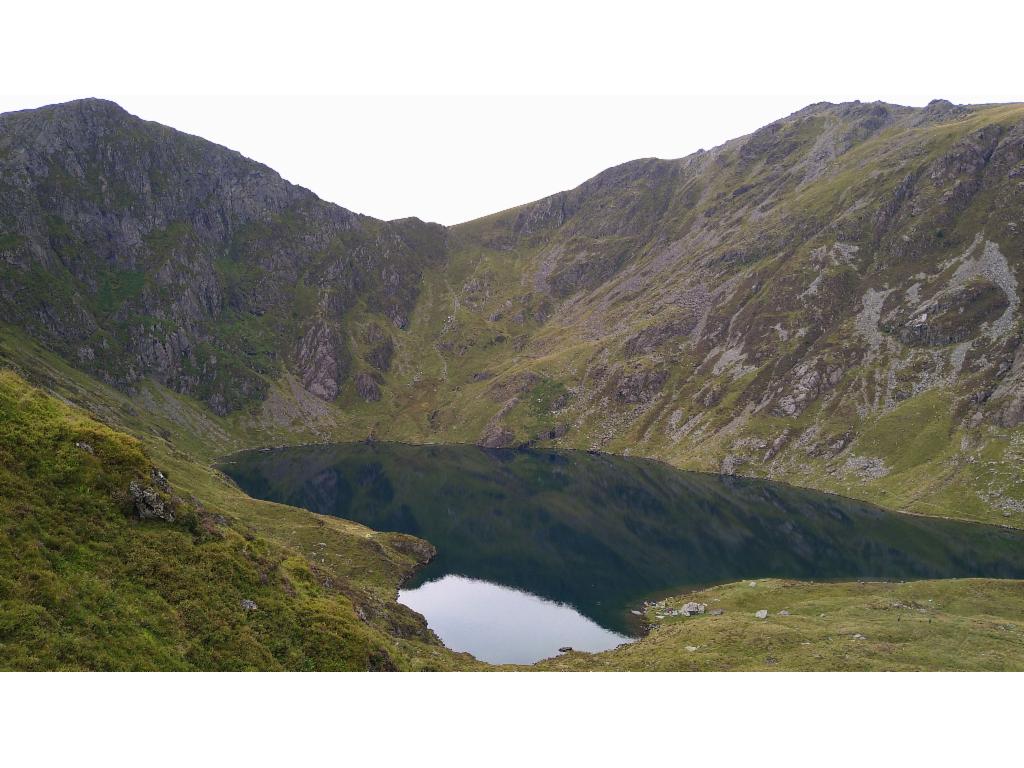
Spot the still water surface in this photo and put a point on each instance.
(543, 549)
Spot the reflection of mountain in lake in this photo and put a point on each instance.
(600, 532)
(501, 625)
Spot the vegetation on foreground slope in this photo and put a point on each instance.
(87, 583)
(955, 624)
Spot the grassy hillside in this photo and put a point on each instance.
(86, 583)
(969, 624)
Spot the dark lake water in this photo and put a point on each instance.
(541, 549)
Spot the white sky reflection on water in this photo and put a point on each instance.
(501, 625)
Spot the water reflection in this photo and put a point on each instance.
(501, 625)
(599, 533)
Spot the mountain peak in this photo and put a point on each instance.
(92, 103)
(85, 106)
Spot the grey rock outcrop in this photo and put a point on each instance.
(368, 387)
(318, 361)
(497, 436)
(642, 386)
(381, 348)
(148, 503)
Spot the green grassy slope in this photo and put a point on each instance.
(969, 624)
(86, 584)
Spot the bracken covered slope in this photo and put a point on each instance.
(833, 300)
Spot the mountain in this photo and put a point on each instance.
(832, 301)
(138, 251)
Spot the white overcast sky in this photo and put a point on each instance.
(449, 112)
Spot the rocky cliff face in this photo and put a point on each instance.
(842, 239)
(135, 250)
(832, 300)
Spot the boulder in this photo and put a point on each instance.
(497, 436)
(762, 614)
(148, 503)
(693, 609)
(731, 463)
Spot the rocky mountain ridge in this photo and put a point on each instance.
(135, 250)
(833, 300)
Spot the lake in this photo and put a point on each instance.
(539, 550)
